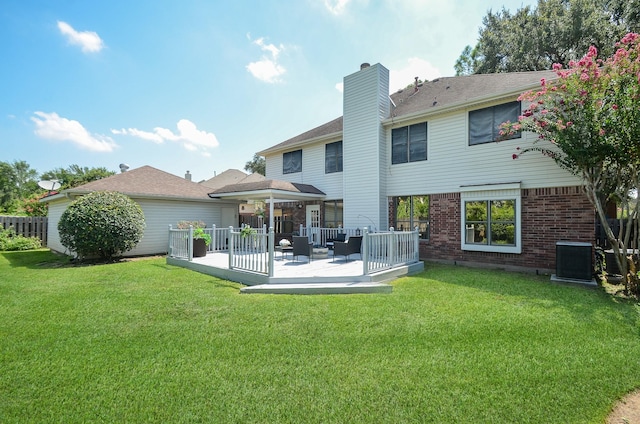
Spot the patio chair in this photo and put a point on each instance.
(302, 247)
(339, 237)
(351, 246)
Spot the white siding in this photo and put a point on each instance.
(365, 105)
(56, 208)
(158, 214)
(452, 163)
(312, 170)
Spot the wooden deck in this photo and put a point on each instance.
(301, 276)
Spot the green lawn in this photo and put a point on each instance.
(146, 342)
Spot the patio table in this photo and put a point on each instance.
(283, 250)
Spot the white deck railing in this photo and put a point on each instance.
(319, 235)
(251, 251)
(388, 250)
(220, 237)
(181, 243)
(254, 251)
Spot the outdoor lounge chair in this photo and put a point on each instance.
(346, 248)
(339, 237)
(302, 247)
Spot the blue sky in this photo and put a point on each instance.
(202, 85)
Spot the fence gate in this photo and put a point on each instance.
(27, 226)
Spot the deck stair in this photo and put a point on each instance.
(319, 288)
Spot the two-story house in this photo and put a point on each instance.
(429, 157)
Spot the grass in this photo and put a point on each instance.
(143, 341)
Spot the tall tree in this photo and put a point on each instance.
(26, 179)
(76, 175)
(256, 165)
(17, 181)
(8, 187)
(589, 122)
(557, 31)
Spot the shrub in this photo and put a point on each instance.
(101, 224)
(33, 207)
(9, 240)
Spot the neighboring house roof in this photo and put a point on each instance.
(231, 176)
(434, 96)
(253, 178)
(145, 181)
(268, 188)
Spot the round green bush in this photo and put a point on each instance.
(101, 224)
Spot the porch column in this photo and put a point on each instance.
(271, 209)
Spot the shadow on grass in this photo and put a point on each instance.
(37, 259)
(45, 258)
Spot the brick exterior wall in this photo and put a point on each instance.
(548, 215)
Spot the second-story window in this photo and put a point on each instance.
(484, 124)
(292, 162)
(409, 144)
(333, 157)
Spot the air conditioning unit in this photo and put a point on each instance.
(574, 260)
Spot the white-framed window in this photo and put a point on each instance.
(491, 218)
(484, 124)
(292, 162)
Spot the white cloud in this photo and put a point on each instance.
(271, 48)
(145, 135)
(89, 41)
(336, 7)
(340, 87)
(267, 69)
(415, 67)
(188, 135)
(51, 126)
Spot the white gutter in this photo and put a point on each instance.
(337, 135)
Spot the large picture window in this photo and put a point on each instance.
(409, 144)
(484, 123)
(333, 157)
(292, 162)
(411, 212)
(491, 222)
(491, 219)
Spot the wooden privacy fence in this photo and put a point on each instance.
(601, 238)
(27, 226)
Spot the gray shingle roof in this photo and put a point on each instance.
(331, 127)
(268, 185)
(230, 176)
(436, 95)
(448, 91)
(148, 182)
